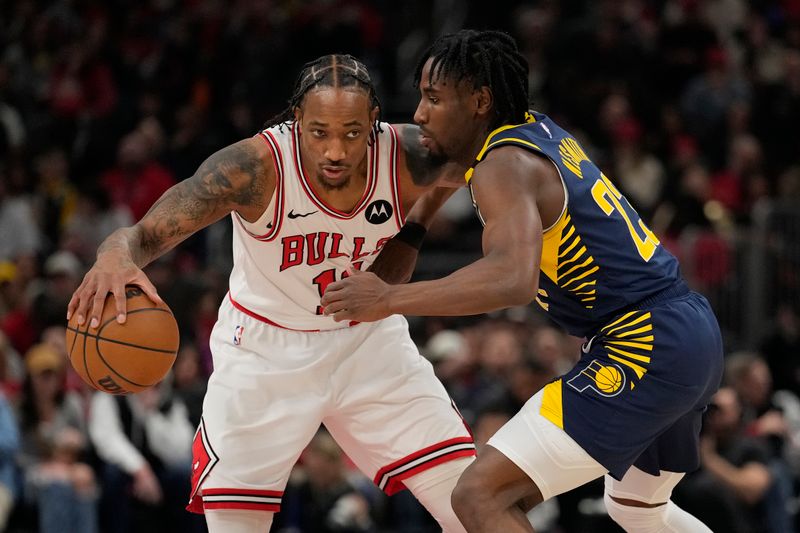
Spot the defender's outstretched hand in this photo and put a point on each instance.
(362, 297)
(109, 274)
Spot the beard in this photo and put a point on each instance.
(330, 186)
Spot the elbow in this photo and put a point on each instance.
(518, 292)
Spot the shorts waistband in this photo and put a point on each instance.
(676, 290)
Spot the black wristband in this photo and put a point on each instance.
(412, 234)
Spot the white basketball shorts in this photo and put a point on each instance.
(272, 387)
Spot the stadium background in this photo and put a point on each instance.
(690, 106)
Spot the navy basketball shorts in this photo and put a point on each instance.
(637, 395)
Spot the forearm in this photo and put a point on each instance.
(125, 243)
(749, 482)
(105, 431)
(481, 287)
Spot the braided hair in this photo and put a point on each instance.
(335, 70)
(486, 58)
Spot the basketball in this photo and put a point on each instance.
(125, 358)
(608, 379)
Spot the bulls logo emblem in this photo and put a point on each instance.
(378, 212)
(605, 379)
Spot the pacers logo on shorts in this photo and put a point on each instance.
(606, 380)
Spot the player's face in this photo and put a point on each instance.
(335, 125)
(446, 116)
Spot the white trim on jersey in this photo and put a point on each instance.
(277, 218)
(399, 215)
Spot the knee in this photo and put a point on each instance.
(634, 518)
(469, 490)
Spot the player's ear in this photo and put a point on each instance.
(298, 114)
(484, 101)
(373, 115)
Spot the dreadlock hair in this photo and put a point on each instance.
(486, 58)
(335, 70)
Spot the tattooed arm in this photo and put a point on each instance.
(240, 177)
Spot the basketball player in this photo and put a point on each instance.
(557, 229)
(318, 192)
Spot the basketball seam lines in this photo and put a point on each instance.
(99, 337)
(106, 339)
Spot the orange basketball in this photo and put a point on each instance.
(124, 358)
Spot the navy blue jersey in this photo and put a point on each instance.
(599, 257)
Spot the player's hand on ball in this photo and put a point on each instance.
(109, 274)
(362, 297)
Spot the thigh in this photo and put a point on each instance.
(643, 487)
(392, 416)
(544, 452)
(260, 410)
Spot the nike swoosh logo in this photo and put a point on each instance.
(587, 346)
(292, 214)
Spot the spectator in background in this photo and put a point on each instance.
(638, 171)
(137, 180)
(781, 348)
(57, 484)
(93, 219)
(320, 498)
(709, 97)
(189, 380)
(12, 369)
(145, 442)
(9, 444)
(63, 272)
(45, 407)
(774, 417)
(19, 232)
(12, 127)
(728, 491)
(56, 195)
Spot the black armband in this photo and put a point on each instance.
(412, 234)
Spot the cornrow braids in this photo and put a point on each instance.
(335, 70)
(486, 58)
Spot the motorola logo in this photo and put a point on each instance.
(378, 212)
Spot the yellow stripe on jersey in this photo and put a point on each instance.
(572, 155)
(552, 406)
(566, 261)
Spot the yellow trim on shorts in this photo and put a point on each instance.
(552, 407)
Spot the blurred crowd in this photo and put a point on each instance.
(688, 105)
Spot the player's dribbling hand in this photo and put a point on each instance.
(362, 297)
(109, 274)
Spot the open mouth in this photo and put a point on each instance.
(333, 173)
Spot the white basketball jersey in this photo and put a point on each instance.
(283, 262)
